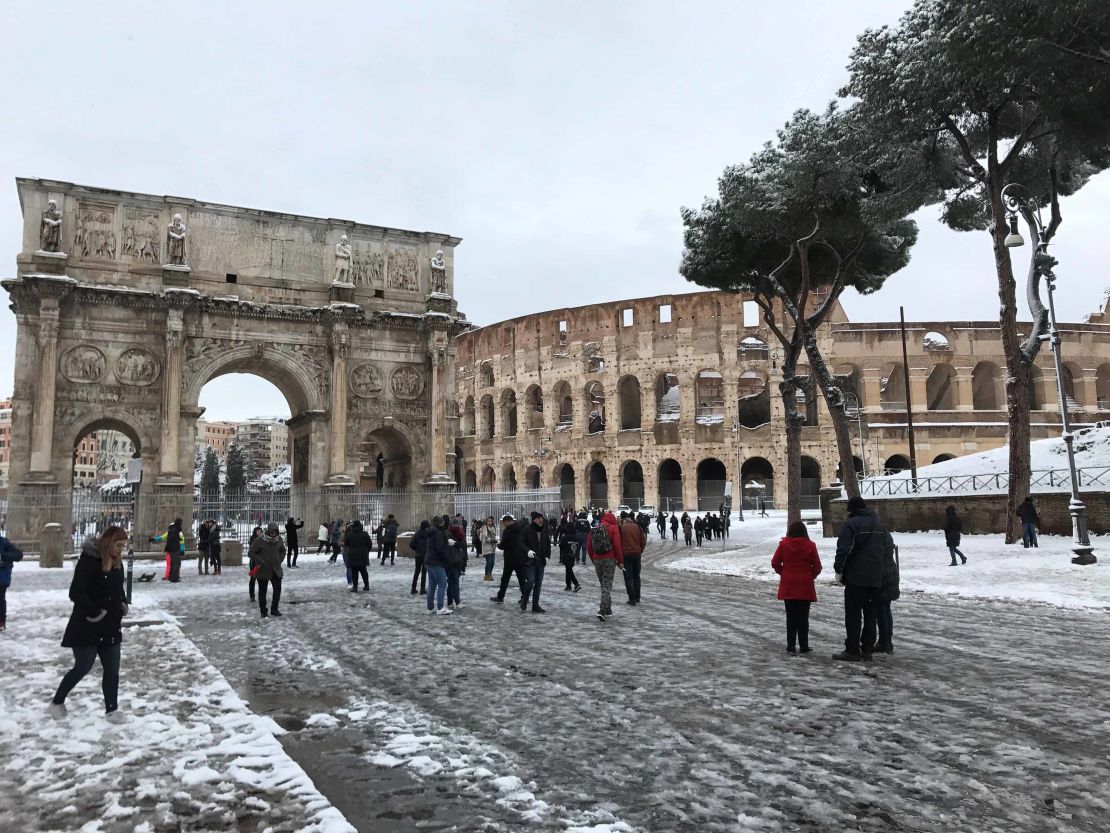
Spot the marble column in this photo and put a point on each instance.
(42, 435)
(337, 436)
(171, 400)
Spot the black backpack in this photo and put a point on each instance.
(599, 538)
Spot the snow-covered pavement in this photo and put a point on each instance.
(681, 714)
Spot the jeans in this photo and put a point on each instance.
(437, 587)
(389, 550)
(886, 624)
(797, 623)
(291, 554)
(83, 658)
(954, 551)
(572, 580)
(419, 573)
(582, 554)
(262, 582)
(860, 603)
(699, 537)
(355, 573)
(606, 568)
(251, 585)
(536, 569)
(632, 577)
(491, 560)
(1029, 535)
(453, 574)
(3, 603)
(175, 566)
(522, 579)
(214, 555)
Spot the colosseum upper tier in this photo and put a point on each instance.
(666, 400)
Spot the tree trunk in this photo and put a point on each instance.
(834, 399)
(788, 390)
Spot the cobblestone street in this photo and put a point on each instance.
(681, 714)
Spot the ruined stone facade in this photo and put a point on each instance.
(666, 399)
(136, 301)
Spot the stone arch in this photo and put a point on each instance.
(712, 476)
(943, 458)
(896, 463)
(670, 485)
(668, 397)
(940, 389)
(533, 477)
(753, 399)
(806, 396)
(848, 377)
(470, 479)
(1102, 387)
(508, 478)
(986, 387)
(564, 403)
(857, 463)
(709, 396)
(632, 484)
(485, 375)
(486, 419)
(86, 425)
(892, 387)
(508, 413)
(811, 481)
(386, 456)
(1038, 394)
(594, 404)
(489, 479)
(1071, 393)
(563, 477)
(467, 423)
(533, 399)
(628, 395)
(298, 382)
(598, 478)
(757, 481)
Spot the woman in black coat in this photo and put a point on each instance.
(94, 626)
(953, 529)
(358, 544)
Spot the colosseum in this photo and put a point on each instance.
(666, 400)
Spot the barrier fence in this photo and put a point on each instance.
(1047, 480)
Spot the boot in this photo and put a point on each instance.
(964, 557)
(3, 624)
(265, 613)
(953, 564)
(275, 612)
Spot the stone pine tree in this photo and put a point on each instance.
(973, 95)
(210, 475)
(236, 469)
(805, 218)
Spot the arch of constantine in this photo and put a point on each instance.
(664, 400)
(127, 304)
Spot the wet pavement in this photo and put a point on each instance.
(683, 713)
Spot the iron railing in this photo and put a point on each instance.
(1047, 480)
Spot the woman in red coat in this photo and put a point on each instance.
(797, 563)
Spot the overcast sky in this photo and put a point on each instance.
(558, 139)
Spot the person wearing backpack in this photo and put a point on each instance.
(9, 554)
(419, 545)
(582, 528)
(604, 548)
(798, 564)
(861, 553)
(568, 553)
(633, 544)
(388, 547)
(953, 529)
(516, 560)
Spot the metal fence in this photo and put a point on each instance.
(1048, 480)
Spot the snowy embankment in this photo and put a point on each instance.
(985, 472)
(188, 755)
(994, 570)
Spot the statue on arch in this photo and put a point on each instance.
(342, 261)
(175, 247)
(439, 273)
(50, 229)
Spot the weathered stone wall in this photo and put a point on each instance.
(980, 514)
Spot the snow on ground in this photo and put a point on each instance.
(994, 570)
(189, 754)
(1092, 451)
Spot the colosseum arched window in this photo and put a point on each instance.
(628, 391)
(508, 413)
(595, 408)
(467, 425)
(709, 391)
(486, 418)
(533, 399)
(668, 398)
(848, 377)
(757, 482)
(892, 387)
(670, 486)
(1102, 387)
(711, 484)
(940, 389)
(485, 375)
(753, 399)
(533, 477)
(986, 387)
(508, 478)
(632, 484)
(598, 479)
(489, 479)
(565, 402)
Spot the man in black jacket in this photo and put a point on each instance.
(516, 558)
(292, 542)
(173, 549)
(1027, 512)
(861, 555)
(537, 544)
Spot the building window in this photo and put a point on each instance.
(664, 313)
(626, 317)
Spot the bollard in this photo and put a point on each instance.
(54, 545)
(231, 554)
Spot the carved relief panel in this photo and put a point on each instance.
(94, 234)
(141, 235)
(84, 364)
(367, 264)
(403, 269)
(366, 380)
(407, 382)
(137, 367)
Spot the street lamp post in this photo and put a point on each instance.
(739, 480)
(1044, 263)
(851, 402)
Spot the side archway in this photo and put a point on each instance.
(670, 486)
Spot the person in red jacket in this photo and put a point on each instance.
(606, 556)
(797, 563)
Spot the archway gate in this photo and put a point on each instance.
(127, 304)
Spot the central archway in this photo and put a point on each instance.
(385, 460)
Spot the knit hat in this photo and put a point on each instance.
(507, 517)
(855, 503)
(272, 528)
(537, 515)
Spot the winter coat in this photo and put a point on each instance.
(862, 549)
(268, 554)
(9, 554)
(91, 591)
(1027, 511)
(174, 541)
(389, 532)
(214, 541)
(336, 532)
(516, 554)
(632, 538)
(419, 541)
(322, 534)
(797, 563)
(291, 528)
(537, 540)
(202, 537)
(674, 524)
(953, 528)
(489, 538)
(438, 554)
(617, 552)
(359, 545)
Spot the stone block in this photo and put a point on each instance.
(231, 553)
(55, 542)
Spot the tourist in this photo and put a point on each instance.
(661, 525)
(292, 541)
(256, 533)
(633, 543)
(644, 521)
(699, 529)
(174, 549)
(859, 567)
(514, 559)
(953, 529)
(797, 563)
(889, 592)
(436, 559)
(388, 547)
(489, 546)
(604, 547)
(419, 545)
(1027, 511)
(687, 528)
(337, 531)
(202, 547)
(711, 526)
(537, 542)
(323, 536)
(358, 546)
(476, 527)
(9, 554)
(582, 527)
(215, 549)
(568, 550)
(762, 507)
(266, 555)
(456, 564)
(96, 591)
(674, 526)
